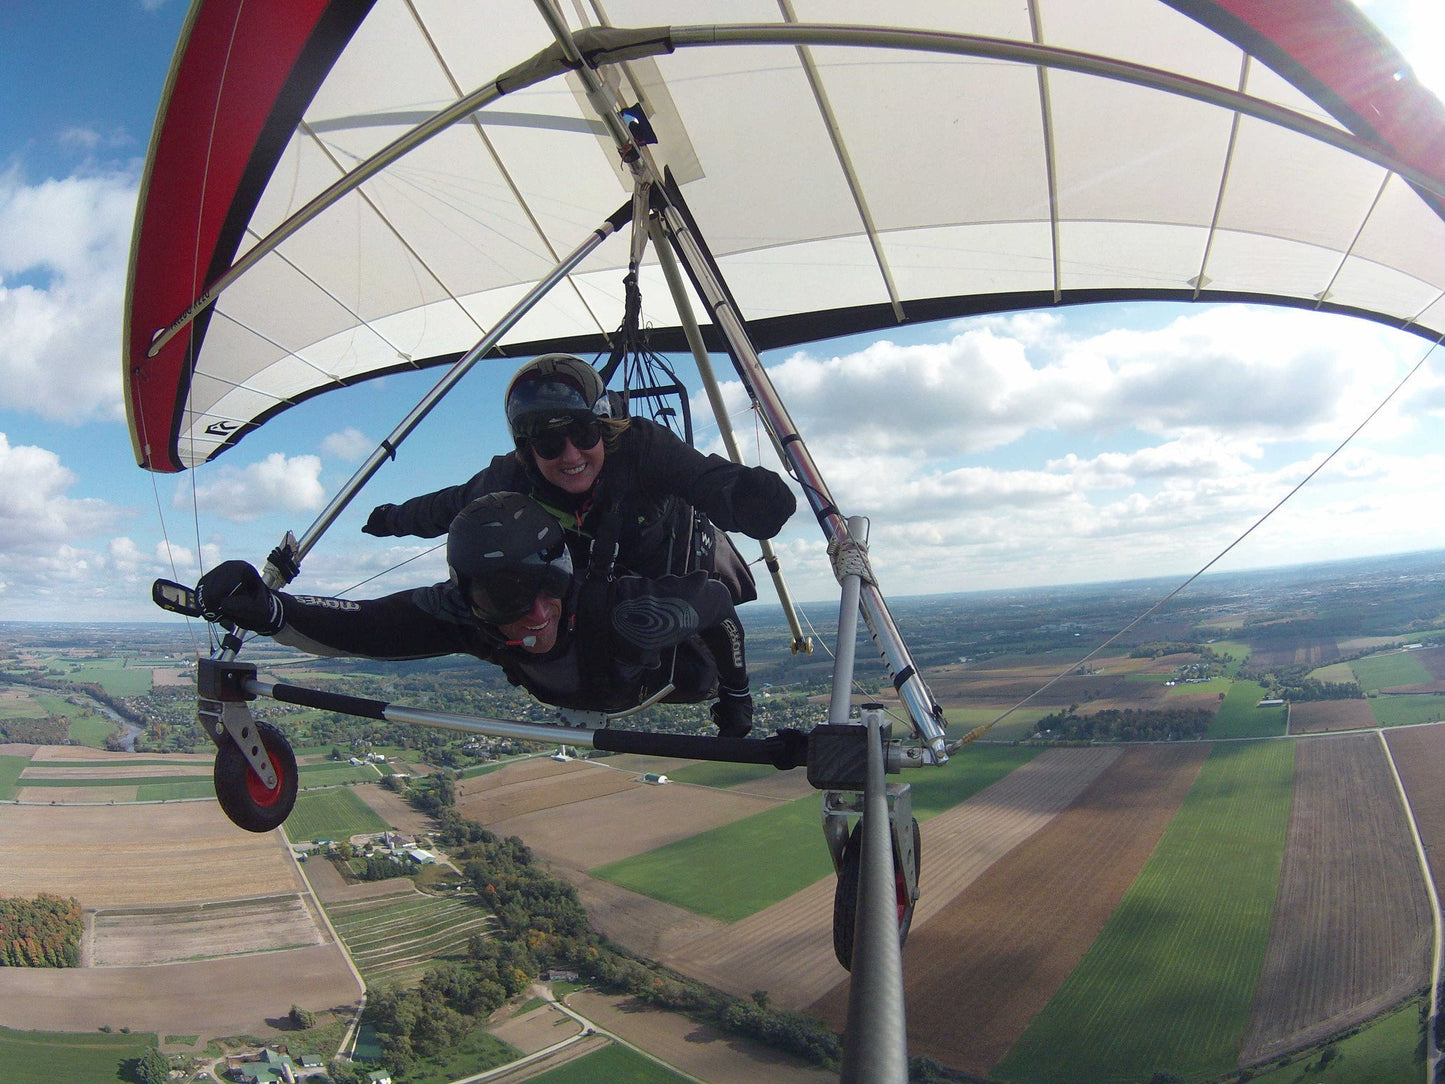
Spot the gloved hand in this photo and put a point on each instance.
(762, 502)
(733, 716)
(234, 592)
(378, 523)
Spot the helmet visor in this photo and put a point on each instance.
(508, 595)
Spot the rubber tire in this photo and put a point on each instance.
(845, 894)
(243, 798)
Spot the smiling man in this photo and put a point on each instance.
(513, 599)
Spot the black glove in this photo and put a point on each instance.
(234, 592)
(733, 716)
(762, 502)
(379, 522)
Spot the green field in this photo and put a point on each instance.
(1407, 709)
(781, 851)
(1240, 717)
(333, 813)
(1168, 984)
(111, 675)
(718, 773)
(10, 769)
(394, 940)
(1018, 726)
(1389, 1050)
(1386, 671)
(44, 1057)
(614, 1064)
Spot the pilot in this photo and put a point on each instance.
(513, 599)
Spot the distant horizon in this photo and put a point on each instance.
(769, 604)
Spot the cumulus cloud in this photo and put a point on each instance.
(349, 445)
(241, 494)
(63, 252)
(35, 513)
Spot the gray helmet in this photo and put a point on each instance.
(503, 551)
(552, 391)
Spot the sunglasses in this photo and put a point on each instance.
(584, 436)
(509, 595)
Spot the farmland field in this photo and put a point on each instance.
(1387, 671)
(1240, 717)
(1322, 716)
(38, 1057)
(334, 813)
(1168, 984)
(1344, 948)
(1407, 709)
(1073, 872)
(394, 939)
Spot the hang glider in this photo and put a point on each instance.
(339, 189)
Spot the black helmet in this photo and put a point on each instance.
(504, 550)
(552, 391)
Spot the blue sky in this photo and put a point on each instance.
(1000, 452)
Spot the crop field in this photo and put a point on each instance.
(1407, 709)
(40, 1057)
(613, 1063)
(776, 852)
(787, 949)
(1169, 983)
(1375, 672)
(112, 676)
(334, 813)
(1387, 1051)
(1241, 717)
(1419, 757)
(993, 962)
(394, 939)
(1322, 716)
(1348, 837)
(136, 936)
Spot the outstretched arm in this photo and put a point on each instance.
(392, 627)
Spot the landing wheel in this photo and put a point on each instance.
(243, 797)
(845, 895)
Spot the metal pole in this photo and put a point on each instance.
(842, 695)
(387, 448)
(875, 1042)
(700, 357)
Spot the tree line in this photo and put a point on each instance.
(43, 932)
(1128, 724)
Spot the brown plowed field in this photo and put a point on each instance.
(703, 1052)
(619, 824)
(135, 936)
(1419, 753)
(978, 972)
(1321, 716)
(127, 855)
(537, 784)
(1352, 922)
(1319, 653)
(239, 995)
(787, 949)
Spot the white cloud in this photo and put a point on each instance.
(35, 513)
(258, 489)
(349, 445)
(63, 253)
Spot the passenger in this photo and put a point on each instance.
(627, 485)
(593, 643)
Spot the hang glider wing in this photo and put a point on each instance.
(846, 174)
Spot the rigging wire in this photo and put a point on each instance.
(979, 731)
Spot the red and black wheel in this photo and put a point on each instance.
(244, 798)
(845, 894)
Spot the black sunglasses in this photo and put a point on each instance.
(584, 435)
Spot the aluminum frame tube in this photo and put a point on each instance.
(875, 1039)
(387, 448)
(841, 698)
(693, 333)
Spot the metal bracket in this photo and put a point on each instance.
(222, 712)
